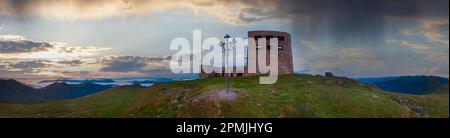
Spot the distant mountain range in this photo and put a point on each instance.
(12, 91)
(108, 81)
(418, 85)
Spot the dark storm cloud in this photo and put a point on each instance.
(22, 46)
(29, 64)
(25, 66)
(2, 66)
(71, 62)
(18, 7)
(130, 63)
(346, 20)
(123, 64)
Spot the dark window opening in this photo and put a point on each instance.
(257, 38)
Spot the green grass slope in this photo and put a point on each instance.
(292, 96)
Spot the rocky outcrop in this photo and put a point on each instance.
(410, 106)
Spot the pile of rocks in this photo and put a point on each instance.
(410, 106)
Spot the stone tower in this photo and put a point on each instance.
(285, 64)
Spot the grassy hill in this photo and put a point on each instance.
(418, 85)
(291, 96)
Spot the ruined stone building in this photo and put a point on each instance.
(285, 64)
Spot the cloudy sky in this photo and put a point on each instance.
(129, 38)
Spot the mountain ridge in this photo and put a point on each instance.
(418, 85)
(13, 91)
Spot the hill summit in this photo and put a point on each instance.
(293, 96)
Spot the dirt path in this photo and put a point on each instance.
(219, 95)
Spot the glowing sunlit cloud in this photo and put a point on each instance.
(62, 51)
(18, 47)
(15, 38)
(232, 12)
